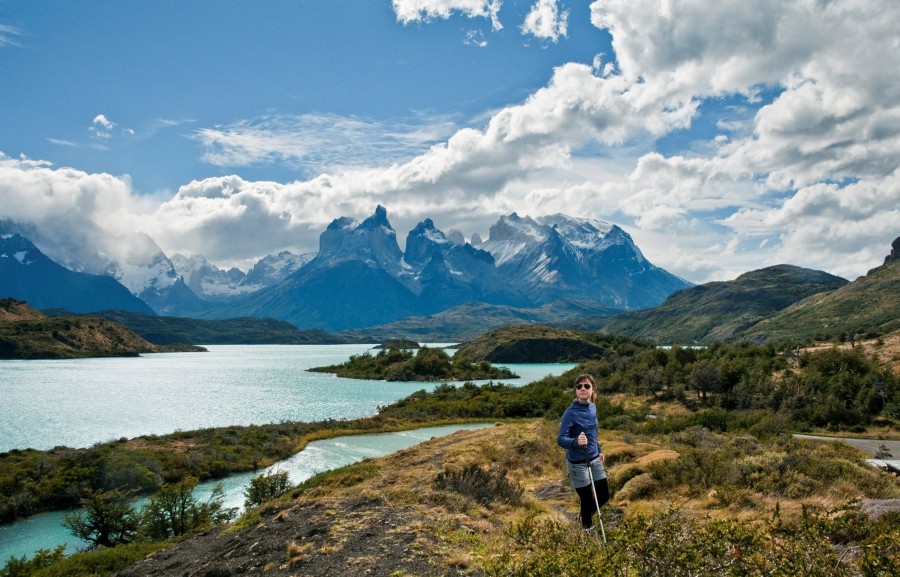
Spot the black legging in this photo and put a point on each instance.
(587, 500)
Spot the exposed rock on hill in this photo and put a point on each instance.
(895, 252)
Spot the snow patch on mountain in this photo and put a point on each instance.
(558, 256)
(213, 283)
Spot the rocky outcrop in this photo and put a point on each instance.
(895, 251)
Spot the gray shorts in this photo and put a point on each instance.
(578, 472)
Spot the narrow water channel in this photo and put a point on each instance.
(45, 531)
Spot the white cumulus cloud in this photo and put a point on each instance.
(545, 21)
(802, 168)
(102, 127)
(408, 11)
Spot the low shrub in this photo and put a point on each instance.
(620, 475)
(104, 561)
(484, 486)
(673, 543)
(641, 486)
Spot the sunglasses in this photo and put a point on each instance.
(580, 386)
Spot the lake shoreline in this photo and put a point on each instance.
(338, 451)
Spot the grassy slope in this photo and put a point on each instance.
(868, 304)
(349, 521)
(720, 310)
(28, 334)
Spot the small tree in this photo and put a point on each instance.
(108, 519)
(265, 487)
(174, 510)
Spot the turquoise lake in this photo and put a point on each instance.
(78, 403)
(81, 402)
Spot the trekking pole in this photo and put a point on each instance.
(594, 492)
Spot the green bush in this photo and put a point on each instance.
(108, 519)
(174, 511)
(674, 543)
(23, 567)
(265, 487)
(101, 562)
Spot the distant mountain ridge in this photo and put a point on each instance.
(214, 284)
(28, 274)
(161, 330)
(361, 278)
(470, 320)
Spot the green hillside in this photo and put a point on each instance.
(719, 311)
(868, 306)
(245, 330)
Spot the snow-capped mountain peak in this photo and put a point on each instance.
(556, 256)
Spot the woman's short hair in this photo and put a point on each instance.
(590, 379)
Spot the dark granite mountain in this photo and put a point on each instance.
(720, 311)
(360, 277)
(354, 280)
(447, 274)
(29, 275)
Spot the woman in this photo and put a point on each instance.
(578, 436)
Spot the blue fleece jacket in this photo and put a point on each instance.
(579, 418)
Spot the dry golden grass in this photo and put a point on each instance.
(656, 456)
(886, 348)
(463, 533)
(298, 552)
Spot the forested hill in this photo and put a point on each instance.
(542, 344)
(28, 334)
(163, 330)
(719, 311)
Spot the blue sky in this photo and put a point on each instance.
(722, 137)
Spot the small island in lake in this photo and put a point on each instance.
(427, 364)
(398, 344)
